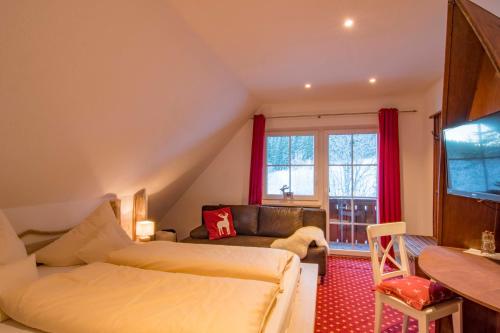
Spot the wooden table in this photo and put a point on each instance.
(473, 277)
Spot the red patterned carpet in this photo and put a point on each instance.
(345, 300)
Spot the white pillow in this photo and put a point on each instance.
(16, 275)
(111, 238)
(11, 247)
(62, 252)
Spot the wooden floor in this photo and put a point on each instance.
(304, 307)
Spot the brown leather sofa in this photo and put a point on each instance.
(259, 226)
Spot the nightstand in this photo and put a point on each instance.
(166, 235)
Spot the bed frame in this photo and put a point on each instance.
(32, 247)
(139, 213)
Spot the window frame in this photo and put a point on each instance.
(352, 198)
(352, 165)
(316, 194)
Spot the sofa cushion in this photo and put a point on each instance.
(208, 207)
(199, 233)
(245, 219)
(279, 221)
(415, 291)
(315, 217)
(252, 241)
(219, 223)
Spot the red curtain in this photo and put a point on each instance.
(389, 188)
(257, 161)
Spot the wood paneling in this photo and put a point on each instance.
(487, 95)
(436, 150)
(464, 221)
(486, 26)
(461, 220)
(140, 209)
(464, 63)
(471, 90)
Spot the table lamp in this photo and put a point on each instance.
(144, 230)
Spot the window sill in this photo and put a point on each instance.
(292, 203)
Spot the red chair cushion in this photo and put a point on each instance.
(219, 223)
(415, 291)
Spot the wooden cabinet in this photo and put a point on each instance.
(471, 91)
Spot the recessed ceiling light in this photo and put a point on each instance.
(348, 23)
(372, 80)
(307, 86)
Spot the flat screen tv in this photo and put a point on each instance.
(473, 158)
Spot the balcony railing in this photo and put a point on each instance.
(349, 218)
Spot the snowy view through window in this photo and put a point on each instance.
(352, 169)
(473, 153)
(352, 180)
(290, 162)
(353, 165)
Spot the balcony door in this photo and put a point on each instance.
(352, 192)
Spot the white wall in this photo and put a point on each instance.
(55, 216)
(110, 96)
(432, 103)
(104, 97)
(226, 179)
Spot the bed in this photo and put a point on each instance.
(275, 298)
(276, 318)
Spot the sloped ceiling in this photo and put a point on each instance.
(276, 46)
(108, 96)
(111, 96)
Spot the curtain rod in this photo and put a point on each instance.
(319, 115)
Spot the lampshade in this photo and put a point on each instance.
(145, 228)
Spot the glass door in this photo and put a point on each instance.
(352, 179)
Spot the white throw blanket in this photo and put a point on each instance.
(299, 242)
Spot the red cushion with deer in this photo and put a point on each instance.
(219, 223)
(415, 291)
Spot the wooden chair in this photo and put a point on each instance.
(433, 312)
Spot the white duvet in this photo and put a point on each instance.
(252, 263)
(107, 298)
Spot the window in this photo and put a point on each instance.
(290, 161)
(352, 170)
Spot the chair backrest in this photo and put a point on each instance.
(381, 255)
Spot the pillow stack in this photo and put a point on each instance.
(90, 241)
(16, 268)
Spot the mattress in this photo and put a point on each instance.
(277, 321)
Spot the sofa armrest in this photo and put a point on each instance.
(199, 233)
(317, 255)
